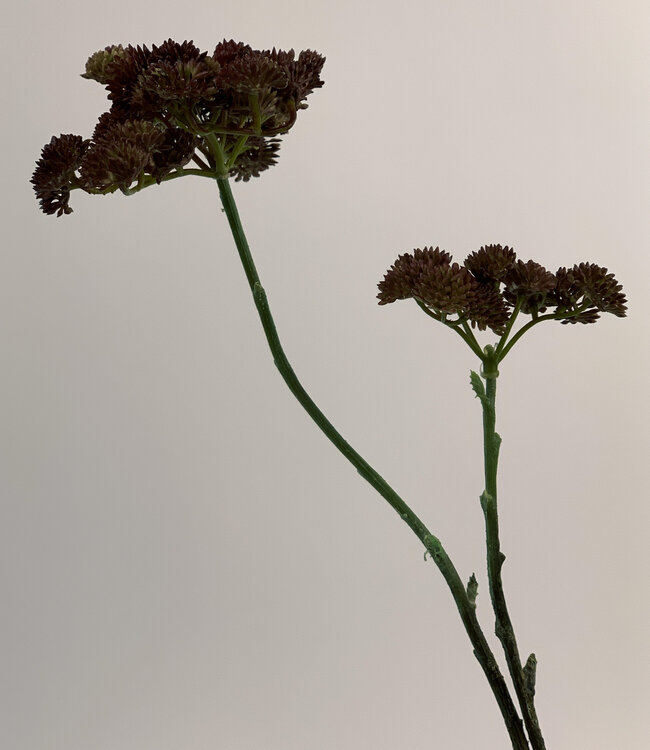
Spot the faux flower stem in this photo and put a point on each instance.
(523, 679)
(504, 347)
(465, 334)
(466, 606)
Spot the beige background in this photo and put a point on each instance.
(185, 562)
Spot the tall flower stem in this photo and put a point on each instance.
(462, 596)
(523, 677)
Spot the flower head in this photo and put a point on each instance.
(445, 288)
(493, 286)
(173, 103)
(56, 170)
(586, 290)
(402, 278)
(530, 284)
(491, 262)
(97, 64)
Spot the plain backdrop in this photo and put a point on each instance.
(185, 561)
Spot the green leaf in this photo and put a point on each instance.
(477, 386)
(472, 590)
(530, 670)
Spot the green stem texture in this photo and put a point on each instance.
(523, 679)
(465, 604)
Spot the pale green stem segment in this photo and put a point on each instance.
(523, 677)
(463, 597)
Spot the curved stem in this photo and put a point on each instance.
(184, 172)
(467, 336)
(502, 351)
(236, 150)
(471, 340)
(465, 604)
(522, 330)
(218, 155)
(148, 181)
(511, 322)
(523, 679)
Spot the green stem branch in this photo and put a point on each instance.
(522, 679)
(511, 322)
(465, 604)
(471, 339)
(465, 334)
(503, 350)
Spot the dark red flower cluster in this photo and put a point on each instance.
(492, 282)
(56, 171)
(588, 282)
(172, 104)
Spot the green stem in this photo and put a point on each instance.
(523, 679)
(214, 144)
(471, 339)
(503, 350)
(183, 172)
(147, 181)
(467, 337)
(425, 309)
(511, 322)
(465, 604)
(236, 150)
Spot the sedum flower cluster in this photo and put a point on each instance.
(492, 283)
(173, 104)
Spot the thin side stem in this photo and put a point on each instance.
(237, 149)
(503, 350)
(471, 340)
(523, 679)
(467, 336)
(509, 326)
(465, 605)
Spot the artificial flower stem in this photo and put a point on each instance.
(504, 351)
(184, 172)
(468, 337)
(550, 316)
(217, 152)
(425, 309)
(511, 322)
(237, 149)
(148, 181)
(471, 339)
(503, 626)
(432, 545)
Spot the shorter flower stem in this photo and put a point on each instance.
(236, 150)
(465, 334)
(471, 339)
(503, 348)
(217, 154)
(524, 688)
(511, 322)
